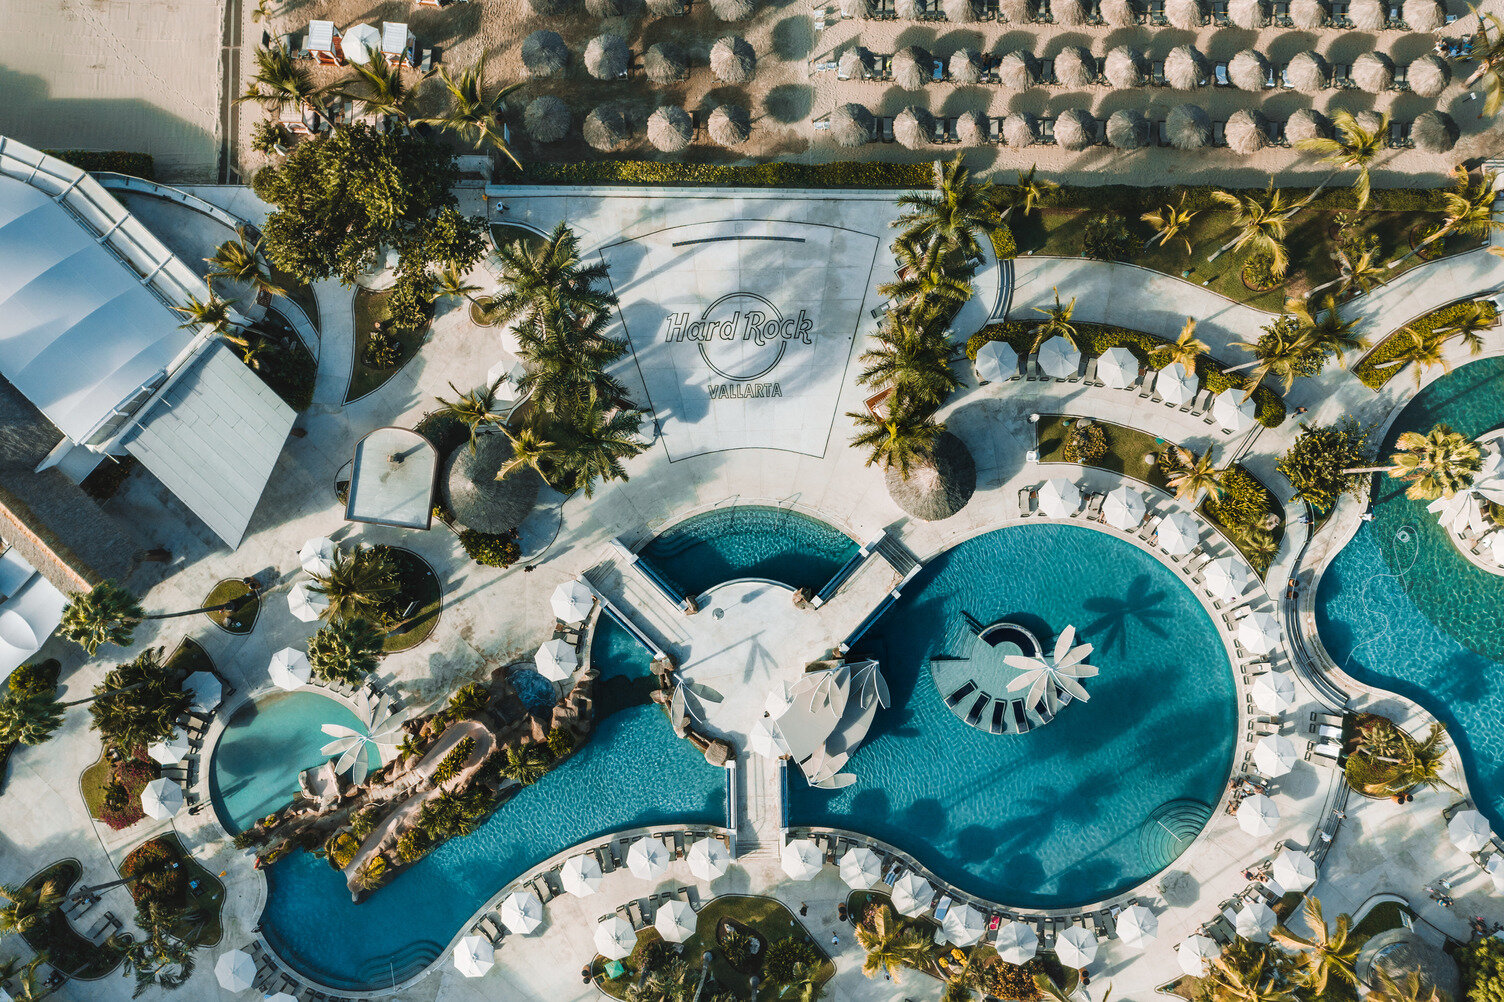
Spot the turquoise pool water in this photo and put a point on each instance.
(632, 772)
(1414, 615)
(255, 766)
(1085, 806)
(749, 541)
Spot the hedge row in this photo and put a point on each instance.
(115, 161)
(1391, 347)
(1094, 339)
(1128, 199)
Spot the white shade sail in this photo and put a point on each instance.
(801, 859)
(1118, 368)
(162, 799)
(614, 938)
(556, 660)
(522, 912)
(1226, 578)
(861, 868)
(572, 601)
(1017, 943)
(207, 691)
(1137, 926)
(1196, 952)
(1076, 947)
(1175, 385)
(289, 669)
(1274, 755)
(964, 925)
(235, 971)
(1059, 498)
(996, 361)
(1469, 831)
(1233, 411)
(1124, 508)
(171, 751)
(1257, 815)
(304, 603)
(675, 920)
(1273, 691)
(1058, 359)
(474, 956)
(1258, 632)
(648, 858)
(912, 894)
(317, 556)
(1254, 920)
(708, 859)
(1294, 871)
(581, 875)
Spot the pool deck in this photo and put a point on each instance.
(492, 617)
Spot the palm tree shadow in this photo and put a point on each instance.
(1110, 629)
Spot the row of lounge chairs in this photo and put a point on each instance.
(1007, 716)
(271, 978)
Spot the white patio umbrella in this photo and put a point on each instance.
(1227, 578)
(614, 938)
(1254, 920)
(1058, 359)
(912, 894)
(317, 555)
(280, 997)
(1058, 498)
(1258, 632)
(1175, 385)
(1273, 691)
(1294, 871)
(1178, 533)
(648, 858)
(1195, 953)
(1232, 410)
(708, 859)
(1257, 815)
(1124, 508)
(522, 912)
(764, 742)
(861, 868)
(572, 601)
(802, 859)
(208, 691)
(289, 669)
(1117, 367)
(360, 42)
(1017, 943)
(1495, 870)
(171, 751)
(1469, 831)
(505, 375)
(963, 925)
(305, 603)
(675, 920)
(1274, 755)
(556, 660)
(474, 956)
(581, 875)
(235, 971)
(161, 799)
(1137, 926)
(1076, 947)
(996, 361)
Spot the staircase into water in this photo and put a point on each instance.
(1171, 829)
(899, 556)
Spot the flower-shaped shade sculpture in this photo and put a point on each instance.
(382, 736)
(1063, 669)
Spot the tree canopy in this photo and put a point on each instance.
(1320, 463)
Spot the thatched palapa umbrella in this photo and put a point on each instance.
(937, 486)
(1020, 129)
(1125, 67)
(908, 10)
(1367, 15)
(665, 8)
(606, 128)
(1118, 13)
(959, 11)
(965, 66)
(1016, 11)
(1189, 127)
(551, 8)
(1186, 14)
(1370, 121)
(1428, 76)
(1306, 123)
(914, 127)
(851, 125)
(664, 62)
(1075, 67)
(855, 8)
(612, 8)
(670, 128)
(729, 125)
(1423, 15)
(478, 500)
(972, 129)
(1017, 71)
(1068, 13)
(1075, 130)
(1308, 72)
(544, 54)
(912, 67)
(1248, 70)
(855, 64)
(1434, 131)
(1247, 131)
(732, 10)
(607, 57)
(546, 119)
(1373, 72)
(1127, 129)
(732, 60)
(1250, 15)
(1186, 68)
(1307, 14)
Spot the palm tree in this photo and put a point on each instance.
(474, 410)
(1437, 464)
(371, 874)
(949, 217)
(359, 584)
(1281, 352)
(213, 313)
(1355, 268)
(914, 359)
(1351, 147)
(1185, 349)
(1026, 194)
(451, 282)
(1488, 50)
(526, 764)
(29, 905)
(529, 451)
(595, 442)
(1409, 990)
(891, 943)
(1472, 320)
(29, 717)
(548, 278)
(1421, 349)
(1194, 475)
(279, 81)
(108, 614)
(382, 91)
(903, 438)
(1063, 990)
(29, 986)
(566, 358)
(1171, 222)
(157, 959)
(1260, 222)
(1245, 976)
(471, 113)
(1326, 952)
(1059, 322)
(137, 702)
(1422, 764)
(1469, 213)
(925, 277)
(1324, 329)
(240, 261)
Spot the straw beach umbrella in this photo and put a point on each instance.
(861, 868)
(1118, 13)
(1247, 131)
(1367, 15)
(1068, 13)
(907, 10)
(1189, 127)
(551, 8)
(1127, 129)
(1017, 943)
(474, 956)
(855, 8)
(581, 875)
(546, 119)
(855, 64)
(1434, 131)
(1248, 70)
(1020, 129)
(522, 912)
(1250, 15)
(851, 125)
(1257, 815)
(1195, 953)
(675, 921)
(664, 62)
(614, 937)
(607, 56)
(708, 859)
(914, 127)
(665, 8)
(1308, 72)
(606, 129)
(1428, 76)
(1307, 123)
(474, 494)
(1016, 11)
(544, 53)
(912, 67)
(1186, 68)
(939, 484)
(1274, 755)
(1273, 692)
(997, 361)
(1373, 72)
(1307, 14)
(959, 11)
(1185, 14)
(732, 60)
(613, 8)
(1059, 358)
(1017, 71)
(912, 894)
(972, 128)
(1125, 67)
(670, 128)
(965, 66)
(1294, 871)
(1177, 533)
(732, 10)
(1075, 67)
(729, 125)
(1423, 15)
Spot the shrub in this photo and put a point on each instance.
(345, 650)
(1105, 237)
(1258, 272)
(1315, 463)
(469, 700)
(382, 350)
(738, 947)
(266, 135)
(560, 742)
(787, 957)
(410, 306)
(844, 174)
(1391, 347)
(1086, 442)
(122, 795)
(1003, 243)
(340, 849)
(115, 161)
(449, 766)
(1482, 964)
(34, 677)
(1244, 500)
(491, 549)
(411, 845)
(364, 822)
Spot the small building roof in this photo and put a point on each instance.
(392, 480)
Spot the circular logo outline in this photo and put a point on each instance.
(782, 344)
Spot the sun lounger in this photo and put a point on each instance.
(1328, 731)
(1020, 718)
(999, 710)
(961, 693)
(977, 708)
(942, 908)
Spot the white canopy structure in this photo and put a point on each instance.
(235, 970)
(1178, 533)
(1175, 385)
(360, 42)
(963, 925)
(289, 669)
(861, 868)
(1233, 411)
(1196, 952)
(171, 751)
(1227, 577)
(1463, 511)
(1274, 755)
(1017, 943)
(581, 875)
(824, 716)
(1294, 871)
(305, 603)
(1273, 691)
(675, 920)
(708, 859)
(1258, 632)
(1059, 359)
(522, 912)
(1469, 831)
(1137, 926)
(1059, 498)
(996, 362)
(474, 956)
(556, 660)
(1124, 508)
(572, 601)
(1254, 920)
(208, 692)
(1257, 815)
(648, 858)
(614, 937)
(1076, 946)
(1047, 676)
(1118, 367)
(801, 859)
(912, 894)
(317, 555)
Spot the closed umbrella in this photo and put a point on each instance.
(207, 691)
(996, 361)
(1189, 127)
(1059, 498)
(317, 555)
(1428, 76)
(1137, 926)
(572, 601)
(675, 920)
(1257, 815)
(289, 669)
(912, 894)
(1273, 691)
(556, 660)
(235, 971)
(1247, 131)
(1017, 943)
(1254, 920)
(1075, 67)
(1233, 411)
(861, 868)
(474, 956)
(1124, 508)
(1175, 385)
(304, 603)
(963, 925)
(1020, 129)
(1274, 755)
(1185, 68)
(1258, 632)
(614, 937)
(1059, 358)
(522, 912)
(1308, 72)
(708, 859)
(171, 751)
(1124, 67)
(1178, 533)
(360, 42)
(1294, 871)
(1127, 129)
(581, 875)
(648, 859)
(801, 859)
(1248, 70)
(1117, 367)
(1195, 953)
(1469, 831)
(1076, 947)
(1226, 578)
(161, 799)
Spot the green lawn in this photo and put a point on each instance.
(91, 784)
(1382, 917)
(370, 310)
(418, 584)
(189, 657)
(66, 948)
(239, 620)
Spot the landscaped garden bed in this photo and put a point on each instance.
(1372, 370)
(171, 878)
(417, 602)
(66, 949)
(242, 618)
(373, 310)
(27, 678)
(112, 789)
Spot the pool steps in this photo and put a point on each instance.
(847, 569)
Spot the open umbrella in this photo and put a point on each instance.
(208, 691)
(912, 894)
(1127, 129)
(675, 920)
(607, 56)
(474, 956)
(522, 912)
(1274, 754)
(606, 128)
(855, 64)
(965, 66)
(1434, 131)
(670, 128)
(556, 660)
(360, 42)
(171, 751)
(1257, 815)
(1248, 70)
(1189, 127)
(733, 60)
(581, 875)
(1250, 15)
(648, 858)
(1373, 72)
(1254, 920)
(317, 555)
(1307, 123)
(1232, 411)
(1469, 831)
(1247, 131)
(614, 937)
(861, 868)
(280, 997)
(289, 669)
(959, 11)
(1020, 129)
(1273, 691)
(161, 799)
(764, 742)
(1118, 13)
(729, 125)
(1258, 632)
(1075, 67)
(851, 125)
(1124, 67)
(1016, 71)
(1059, 498)
(306, 604)
(546, 120)
(544, 53)
(1366, 15)
(1137, 926)
(1307, 72)
(708, 859)
(1068, 13)
(1017, 943)
(1178, 533)
(1175, 385)
(1059, 358)
(1117, 367)
(572, 601)
(1076, 947)
(1307, 14)
(1423, 15)
(911, 67)
(1188, 15)
(235, 971)
(1294, 871)
(964, 925)
(1124, 508)
(1495, 870)
(801, 859)
(1226, 578)
(1195, 953)
(1075, 130)
(914, 127)
(1428, 76)
(1185, 68)
(664, 63)
(996, 361)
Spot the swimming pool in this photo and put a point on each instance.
(1072, 812)
(1414, 615)
(749, 541)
